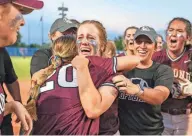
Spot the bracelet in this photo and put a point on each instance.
(140, 91)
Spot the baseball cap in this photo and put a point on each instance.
(147, 31)
(28, 4)
(62, 25)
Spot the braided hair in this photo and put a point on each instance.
(64, 50)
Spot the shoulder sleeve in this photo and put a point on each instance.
(109, 64)
(155, 56)
(160, 56)
(40, 60)
(10, 75)
(108, 82)
(164, 76)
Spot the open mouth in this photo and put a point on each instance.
(173, 41)
(131, 42)
(85, 51)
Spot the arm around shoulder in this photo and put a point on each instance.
(127, 62)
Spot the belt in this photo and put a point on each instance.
(177, 111)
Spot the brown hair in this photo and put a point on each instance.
(158, 35)
(131, 27)
(64, 50)
(188, 43)
(188, 27)
(111, 47)
(102, 34)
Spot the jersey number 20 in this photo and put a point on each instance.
(62, 79)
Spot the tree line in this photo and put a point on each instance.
(118, 41)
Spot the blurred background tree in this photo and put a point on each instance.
(119, 42)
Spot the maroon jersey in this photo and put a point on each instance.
(2, 103)
(108, 64)
(180, 69)
(109, 121)
(59, 107)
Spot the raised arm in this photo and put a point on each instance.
(127, 62)
(94, 101)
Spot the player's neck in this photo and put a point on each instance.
(145, 64)
(175, 54)
(128, 52)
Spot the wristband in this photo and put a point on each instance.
(141, 90)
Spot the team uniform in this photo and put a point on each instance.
(59, 107)
(175, 108)
(136, 116)
(7, 76)
(109, 121)
(41, 59)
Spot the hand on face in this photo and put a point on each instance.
(23, 116)
(80, 62)
(125, 85)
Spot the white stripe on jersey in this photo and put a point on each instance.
(115, 64)
(177, 57)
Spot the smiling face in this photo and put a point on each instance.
(144, 48)
(10, 22)
(159, 43)
(88, 40)
(176, 36)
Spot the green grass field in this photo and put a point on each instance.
(22, 67)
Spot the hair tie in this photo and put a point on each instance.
(56, 57)
(58, 61)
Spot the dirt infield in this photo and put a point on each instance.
(24, 87)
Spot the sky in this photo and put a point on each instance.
(115, 15)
